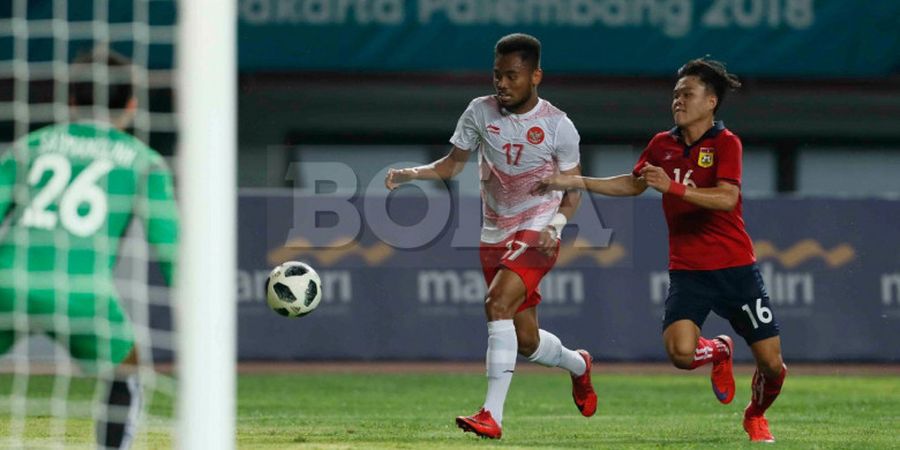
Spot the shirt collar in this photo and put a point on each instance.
(718, 127)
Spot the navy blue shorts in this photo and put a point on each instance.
(737, 294)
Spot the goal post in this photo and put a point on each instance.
(205, 291)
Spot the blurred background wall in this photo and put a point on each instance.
(377, 84)
(820, 79)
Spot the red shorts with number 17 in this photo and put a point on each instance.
(519, 253)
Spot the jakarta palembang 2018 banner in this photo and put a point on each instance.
(777, 38)
(809, 38)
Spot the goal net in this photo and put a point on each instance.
(60, 218)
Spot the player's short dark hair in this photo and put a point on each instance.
(528, 47)
(120, 85)
(713, 74)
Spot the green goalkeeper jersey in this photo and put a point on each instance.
(69, 192)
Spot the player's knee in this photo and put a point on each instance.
(771, 367)
(496, 307)
(681, 355)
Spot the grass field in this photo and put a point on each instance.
(414, 411)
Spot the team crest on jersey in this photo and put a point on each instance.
(535, 135)
(707, 157)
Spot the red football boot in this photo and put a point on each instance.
(480, 423)
(722, 376)
(757, 427)
(582, 390)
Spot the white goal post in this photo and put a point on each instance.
(205, 292)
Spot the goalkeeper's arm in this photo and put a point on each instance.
(7, 181)
(160, 217)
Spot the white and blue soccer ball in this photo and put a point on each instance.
(293, 289)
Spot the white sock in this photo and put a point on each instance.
(552, 353)
(501, 363)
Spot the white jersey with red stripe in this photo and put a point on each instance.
(515, 152)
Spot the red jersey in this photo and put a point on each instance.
(701, 238)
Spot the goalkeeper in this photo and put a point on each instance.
(69, 192)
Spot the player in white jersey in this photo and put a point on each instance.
(520, 138)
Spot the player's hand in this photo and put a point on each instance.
(396, 177)
(557, 182)
(656, 177)
(548, 240)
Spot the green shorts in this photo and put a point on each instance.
(94, 328)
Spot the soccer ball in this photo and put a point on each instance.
(293, 289)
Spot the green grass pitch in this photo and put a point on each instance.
(415, 411)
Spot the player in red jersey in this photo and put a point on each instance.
(697, 167)
(519, 139)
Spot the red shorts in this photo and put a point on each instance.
(519, 254)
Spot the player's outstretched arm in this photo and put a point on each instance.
(572, 197)
(624, 185)
(443, 169)
(567, 207)
(723, 197)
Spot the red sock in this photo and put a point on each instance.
(709, 351)
(765, 390)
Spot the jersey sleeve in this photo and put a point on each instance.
(730, 165)
(159, 215)
(467, 135)
(646, 157)
(567, 142)
(7, 181)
